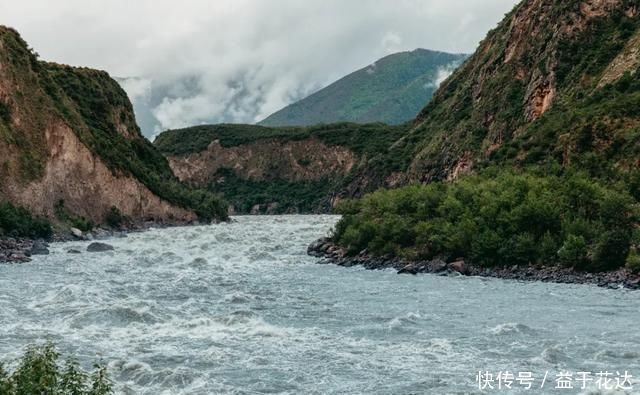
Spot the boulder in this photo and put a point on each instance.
(315, 247)
(409, 269)
(73, 251)
(39, 247)
(272, 208)
(231, 210)
(438, 266)
(77, 233)
(99, 247)
(18, 257)
(459, 267)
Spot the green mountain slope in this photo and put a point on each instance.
(392, 90)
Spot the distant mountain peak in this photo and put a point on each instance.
(392, 90)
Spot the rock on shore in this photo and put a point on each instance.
(21, 250)
(331, 253)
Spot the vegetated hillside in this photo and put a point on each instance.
(292, 169)
(555, 81)
(70, 147)
(392, 90)
(546, 113)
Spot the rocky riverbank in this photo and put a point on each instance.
(331, 253)
(21, 250)
(14, 250)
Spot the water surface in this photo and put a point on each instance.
(240, 308)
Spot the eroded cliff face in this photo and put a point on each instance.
(295, 161)
(44, 133)
(542, 53)
(88, 188)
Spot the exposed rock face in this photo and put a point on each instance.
(307, 159)
(516, 76)
(43, 157)
(88, 188)
(540, 100)
(627, 61)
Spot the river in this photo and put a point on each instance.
(240, 308)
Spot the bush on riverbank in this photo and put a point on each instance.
(18, 222)
(40, 372)
(497, 218)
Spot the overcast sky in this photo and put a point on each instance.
(273, 51)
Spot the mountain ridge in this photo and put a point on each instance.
(391, 90)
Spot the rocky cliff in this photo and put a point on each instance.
(68, 139)
(550, 71)
(556, 84)
(275, 170)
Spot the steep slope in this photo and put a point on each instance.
(276, 170)
(546, 115)
(555, 81)
(391, 90)
(69, 142)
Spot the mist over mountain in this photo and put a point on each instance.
(391, 90)
(193, 100)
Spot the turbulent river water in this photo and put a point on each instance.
(240, 308)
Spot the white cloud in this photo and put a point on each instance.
(443, 73)
(137, 88)
(391, 42)
(242, 59)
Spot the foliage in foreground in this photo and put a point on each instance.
(18, 222)
(40, 372)
(498, 218)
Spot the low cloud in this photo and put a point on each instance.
(240, 60)
(443, 73)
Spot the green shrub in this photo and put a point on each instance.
(5, 113)
(18, 222)
(611, 250)
(63, 215)
(6, 387)
(573, 252)
(291, 196)
(82, 223)
(633, 261)
(497, 218)
(114, 218)
(40, 372)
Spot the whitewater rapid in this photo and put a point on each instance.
(240, 308)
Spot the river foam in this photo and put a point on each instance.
(240, 308)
